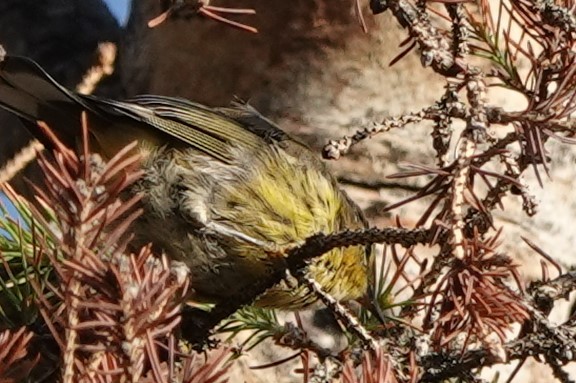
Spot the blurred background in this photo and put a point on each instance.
(119, 9)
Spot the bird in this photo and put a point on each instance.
(220, 185)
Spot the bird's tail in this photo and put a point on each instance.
(27, 91)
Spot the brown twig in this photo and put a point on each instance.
(203, 8)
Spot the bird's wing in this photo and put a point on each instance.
(29, 92)
(193, 124)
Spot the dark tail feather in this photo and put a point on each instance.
(27, 91)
